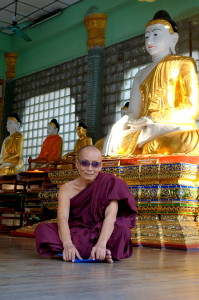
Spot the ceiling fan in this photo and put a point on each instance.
(17, 28)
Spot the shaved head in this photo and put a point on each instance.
(89, 163)
(89, 148)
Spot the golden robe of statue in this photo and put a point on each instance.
(170, 99)
(68, 160)
(11, 154)
(82, 141)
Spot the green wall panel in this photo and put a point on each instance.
(130, 20)
(52, 52)
(64, 37)
(5, 46)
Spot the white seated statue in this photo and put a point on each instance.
(51, 149)
(11, 160)
(164, 103)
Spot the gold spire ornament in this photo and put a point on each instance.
(96, 25)
(11, 59)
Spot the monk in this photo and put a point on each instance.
(95, 214)
(51, 149)
(164, 106)
(11, 159)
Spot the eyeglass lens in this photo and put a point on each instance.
(86, 163)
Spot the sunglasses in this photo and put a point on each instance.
(93, 164)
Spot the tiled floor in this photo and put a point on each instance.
(150, 274)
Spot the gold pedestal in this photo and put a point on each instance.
(148, 231)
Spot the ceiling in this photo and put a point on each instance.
(29, 10)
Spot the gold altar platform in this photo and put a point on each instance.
(166, 190)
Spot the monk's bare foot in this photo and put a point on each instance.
(108, 257)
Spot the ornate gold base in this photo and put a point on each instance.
(166, 231)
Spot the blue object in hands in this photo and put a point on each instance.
(88, 260)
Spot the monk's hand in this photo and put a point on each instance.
(70, 253)
(98, 252)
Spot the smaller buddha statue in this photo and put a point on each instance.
(51, 149)
(11, 160)
(82, 141)
(68, 160)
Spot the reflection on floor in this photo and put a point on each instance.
(150, 274)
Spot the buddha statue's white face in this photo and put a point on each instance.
(12, 126)
(159, 40)
(51, 130)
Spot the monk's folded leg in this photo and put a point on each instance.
(47, 239)
(120, 243)
(84, 239)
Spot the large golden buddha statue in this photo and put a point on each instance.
(51, 149)
(11, 161)
(82, 141)
(164, 102)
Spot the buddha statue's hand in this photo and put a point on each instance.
(138, 124)
(68, 156)
(120, 124)
(4, 165)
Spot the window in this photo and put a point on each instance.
(40, 104)
(35, 125)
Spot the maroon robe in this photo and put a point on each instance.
(87, 212)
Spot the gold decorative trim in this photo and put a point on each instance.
(11, 59)
(52, 124)
(163, 22)
(60, 177)
(96, 25)
(13, 119)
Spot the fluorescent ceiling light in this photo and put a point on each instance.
(46, 17)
